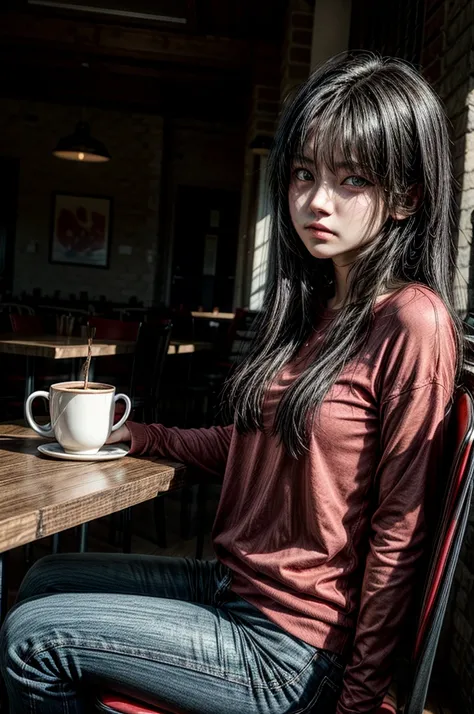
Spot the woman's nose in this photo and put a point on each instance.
(322, 199)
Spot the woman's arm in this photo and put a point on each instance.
(413, 426)
(416, 388)
(206, 449)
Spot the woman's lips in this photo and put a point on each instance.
(320, 233)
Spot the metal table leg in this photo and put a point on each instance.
(55, 544)
(72, 370)
(29, 376)
(127, 530)
(83, 538)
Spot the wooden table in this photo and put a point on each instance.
(181, 347)
(52, 347)
(214, 315)
(58, 347)
(123, 311)
(43, 496)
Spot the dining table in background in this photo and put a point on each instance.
(140, 312)
(43, 496)
(60, 347)
(213, 315)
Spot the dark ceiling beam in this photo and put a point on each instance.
(128, 93)
(87, 38)
(49, 58)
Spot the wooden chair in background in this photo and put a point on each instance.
(115, 369)
(144, 389)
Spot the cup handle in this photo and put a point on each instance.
(128, 408)
(45, 430)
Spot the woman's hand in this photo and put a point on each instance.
(122, 434)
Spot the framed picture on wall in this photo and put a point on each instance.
(81, 230)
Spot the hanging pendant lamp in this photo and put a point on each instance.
(81, 146)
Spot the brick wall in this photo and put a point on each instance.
(296, 55)
(393, 29)
(438, 35)
(30, 131)
(447, 62)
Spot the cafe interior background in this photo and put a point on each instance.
(162, 213)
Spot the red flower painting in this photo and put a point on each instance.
(81, 230)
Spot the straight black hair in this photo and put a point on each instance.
(378, 113)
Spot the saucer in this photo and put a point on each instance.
(106, 453)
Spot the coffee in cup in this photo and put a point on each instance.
(81, 419)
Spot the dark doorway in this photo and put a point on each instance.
(205, 248)
(8, 209)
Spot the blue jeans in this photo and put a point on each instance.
(165, 630)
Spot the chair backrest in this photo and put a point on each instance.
(183, 324)
(241, 334)
(150, 354)
(66, 310)
(26, 324)
(446, 548)
(114, 329)
(14, 307)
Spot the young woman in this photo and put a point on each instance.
(338, 420)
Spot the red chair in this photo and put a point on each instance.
(26, 324)
(114, 703)
(42, 371)
(446, 547)
(117, 369)
(106, 329)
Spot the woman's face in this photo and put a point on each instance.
(334, 214)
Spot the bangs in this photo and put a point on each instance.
(357, 133)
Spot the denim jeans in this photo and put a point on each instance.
(165, 630)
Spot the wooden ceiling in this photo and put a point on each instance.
(200, 61)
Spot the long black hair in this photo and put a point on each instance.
(379, 113)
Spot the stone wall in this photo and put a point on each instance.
(29, 131)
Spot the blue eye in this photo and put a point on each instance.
(303, 175)
(356, 182)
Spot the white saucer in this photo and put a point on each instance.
(106, 453)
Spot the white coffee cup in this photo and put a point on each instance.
(81, 420)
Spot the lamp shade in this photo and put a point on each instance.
(81, 146)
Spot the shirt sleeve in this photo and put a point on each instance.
(413, 426)
(205, 449)
(416, 389)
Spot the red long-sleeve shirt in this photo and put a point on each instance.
(327, 545)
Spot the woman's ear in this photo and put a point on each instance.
(411, 203)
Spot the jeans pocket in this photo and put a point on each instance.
(336, 661)
(325, 699)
